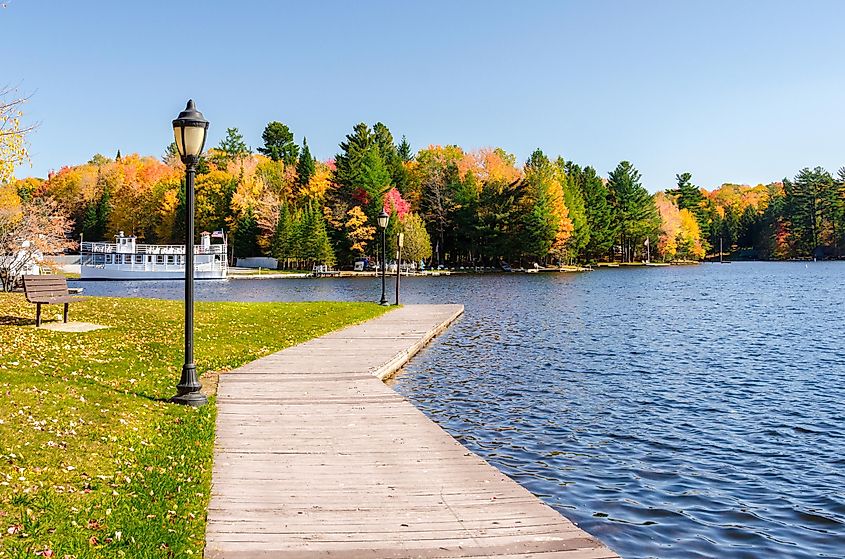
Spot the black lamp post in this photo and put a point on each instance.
(190, 129)
(400, 241)
(382, 222)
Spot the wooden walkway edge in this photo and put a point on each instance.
(316, 457)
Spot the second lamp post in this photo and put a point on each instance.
(382, 222)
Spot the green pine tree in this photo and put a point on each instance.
(807, 209)
(390, 156)
(634, 211)
(374, 182)
(690, 198)
(280, 243)
(540, 225)
(96, 216)
(279, 144)
(233, 145)
(323, 252)
(598, 212)
(246, 232)
(305, 166)
(406, 154)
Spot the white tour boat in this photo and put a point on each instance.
(126, 260)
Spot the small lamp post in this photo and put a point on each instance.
(189, 129)
(400, 241)
(383, 218)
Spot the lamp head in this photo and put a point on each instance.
(189, 130)
(383, 218)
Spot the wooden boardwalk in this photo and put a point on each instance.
(316, 457)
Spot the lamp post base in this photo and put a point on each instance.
(193, 399)
(384, 303)
(188, 390)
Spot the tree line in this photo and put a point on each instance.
(454, 206)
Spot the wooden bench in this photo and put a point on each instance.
(47, 290)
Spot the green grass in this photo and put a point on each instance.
(93, 461)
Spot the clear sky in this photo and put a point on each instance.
(736, 91)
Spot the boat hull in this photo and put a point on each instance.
(94, 273)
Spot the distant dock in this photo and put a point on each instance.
(316, 457)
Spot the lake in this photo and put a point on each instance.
(672, 412)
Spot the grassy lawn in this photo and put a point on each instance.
(93, 461)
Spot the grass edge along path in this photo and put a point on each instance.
(94, 462)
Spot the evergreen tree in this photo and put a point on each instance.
(296, 238)
(634, 210)
(374, 182)
(96, 216)
(349, 162)
(279, 144)
(405, 152)
(246, 232)
(280, 243)
(603, 231)
(730, 228)
(540, 222)
(807, 208)
(117, 157)
(305, 166)
(233, 144)
(171, 153)
(390, 156)
(323, 252)
(499, 224)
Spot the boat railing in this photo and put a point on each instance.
(112, 248)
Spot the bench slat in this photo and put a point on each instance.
(44, 289)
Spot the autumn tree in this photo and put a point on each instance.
(29, 231)
(12, 133)
(417, 243)
(546, 224)
(358, 231)
(279, 144)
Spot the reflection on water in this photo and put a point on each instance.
(672, 412)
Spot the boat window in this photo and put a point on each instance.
(138, 259)
(159, 259)
(170, 259)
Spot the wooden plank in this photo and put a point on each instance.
(315, 456)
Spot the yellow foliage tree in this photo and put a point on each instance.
(12, 134)
(689, 238)
(357, 230)
(670, 225)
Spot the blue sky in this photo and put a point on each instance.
(739, 91)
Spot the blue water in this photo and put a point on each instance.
(672, 412)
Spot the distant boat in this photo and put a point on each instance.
(126, 260)
(505, 266)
